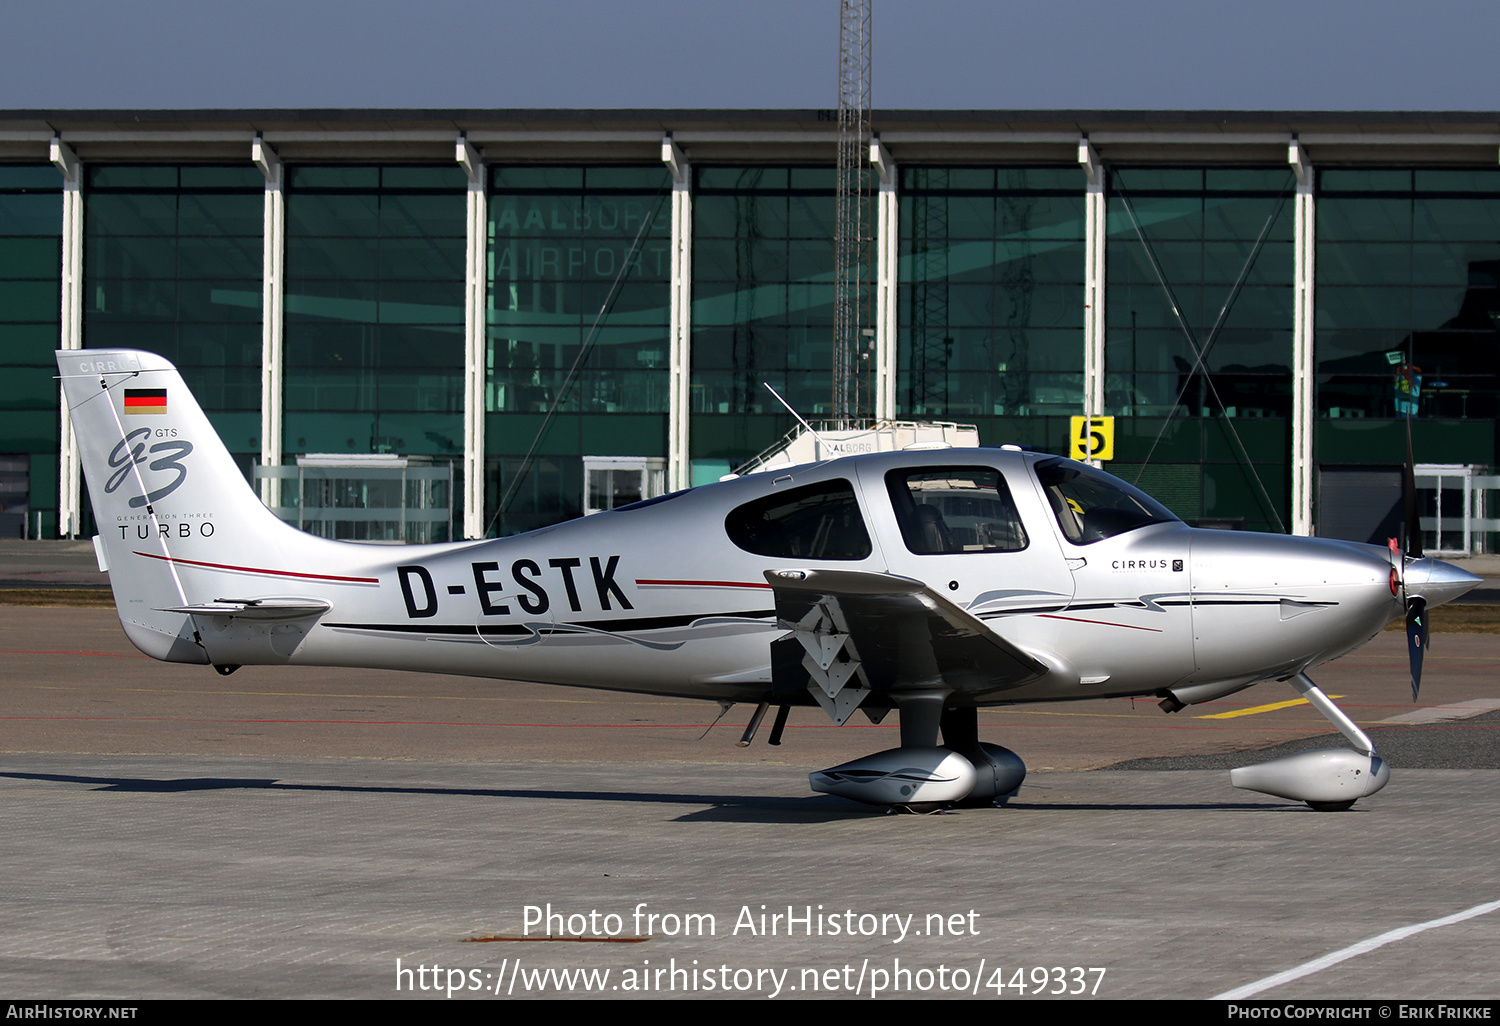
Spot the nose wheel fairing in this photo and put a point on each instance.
(1328, 779)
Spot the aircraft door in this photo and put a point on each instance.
(971, 533)
(1130, 624)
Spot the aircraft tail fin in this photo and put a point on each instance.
(178, 524)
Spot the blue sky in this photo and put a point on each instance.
(945, 54)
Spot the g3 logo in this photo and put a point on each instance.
(132, 450)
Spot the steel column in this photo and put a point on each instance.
(1303, 365)
(476, 349)
(1094, 280)
(272, 299)
(887, 247)
(679, 463)
(69, 482)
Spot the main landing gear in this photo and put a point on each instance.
(922, 775)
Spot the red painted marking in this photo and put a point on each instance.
(258, 570)
(1101, 623)
(708, 584)
(1181, 726)
(381, 723)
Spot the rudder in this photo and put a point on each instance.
(165, 491)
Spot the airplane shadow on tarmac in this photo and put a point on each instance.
(721, 807)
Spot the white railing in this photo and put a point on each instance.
(393, 499)
(1460, 524)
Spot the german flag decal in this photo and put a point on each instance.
(145, 400)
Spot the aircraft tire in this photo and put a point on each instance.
(1332, 806)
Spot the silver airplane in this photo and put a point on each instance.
(928, 581)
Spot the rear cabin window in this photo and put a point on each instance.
(945, 510)
(820, 521)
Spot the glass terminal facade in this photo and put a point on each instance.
(30, 263)
(374, 310)
(575, 349)
(172, 263)
(762, 308)
(1199, 343)
(1408, 272)
(521, 311)
(991, 265)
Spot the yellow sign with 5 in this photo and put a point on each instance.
(1093, 438)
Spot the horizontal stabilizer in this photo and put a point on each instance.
(257, 609)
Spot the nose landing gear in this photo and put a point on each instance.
(1329, 779)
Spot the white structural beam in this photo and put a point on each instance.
(130, 135)
(1139, 138)
(580, 137)
(1412, 136)
(679, 463)
(1411, 139)
(887, 243)
(69, 481)
(272, 301)
(476, 361)
(959, 137)
(1303, 330)
(1094, 283)
(815, 136)
(318, 135)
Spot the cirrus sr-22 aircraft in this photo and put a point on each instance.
(930, 581)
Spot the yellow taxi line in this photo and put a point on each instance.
(1257, 709)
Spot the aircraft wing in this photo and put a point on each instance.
(880, 632)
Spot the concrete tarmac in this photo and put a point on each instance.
(297, 833)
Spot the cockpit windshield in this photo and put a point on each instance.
(1091, 505)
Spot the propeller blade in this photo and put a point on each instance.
(1416, 640)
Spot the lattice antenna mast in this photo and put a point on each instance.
(853, 237)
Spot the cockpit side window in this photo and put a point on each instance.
(1090, 505)
(820, 521)
(955, 509)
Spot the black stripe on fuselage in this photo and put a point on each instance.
(1022, 610)
(1128, 604)
(630, 623)
(1243, 602)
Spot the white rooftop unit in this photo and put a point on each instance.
(826, 442)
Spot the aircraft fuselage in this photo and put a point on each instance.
(658, 598)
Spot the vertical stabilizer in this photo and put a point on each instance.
(169, 502)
